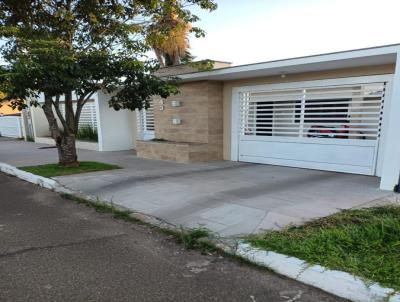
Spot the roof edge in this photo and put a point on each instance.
(288, 60)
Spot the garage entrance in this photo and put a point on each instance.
(332, 125)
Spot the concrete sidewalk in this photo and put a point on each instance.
(229, 198)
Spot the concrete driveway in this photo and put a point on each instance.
(227, 197)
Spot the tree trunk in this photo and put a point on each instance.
(65, 142)
(159, 56)
(67, 156)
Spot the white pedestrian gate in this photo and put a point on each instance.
(145, 122)
(10, 126)
(329, 127)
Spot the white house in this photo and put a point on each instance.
(335, 112)
(116, 129)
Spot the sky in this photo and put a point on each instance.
(251, 31)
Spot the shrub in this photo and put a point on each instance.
(87, 133)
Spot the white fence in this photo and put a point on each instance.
(10, 126)
(88, 114)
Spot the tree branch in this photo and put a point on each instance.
(53, 125)
(69, 113)
(56, 105)
(79, 106)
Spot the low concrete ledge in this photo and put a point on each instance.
(93, 146)
(338, 283)
(181, 152)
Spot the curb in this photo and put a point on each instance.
(41, 181)
(32, 178)
(338, 283)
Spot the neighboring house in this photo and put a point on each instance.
(6, 109)
(335, 112)
(89, 117)
(10, 121)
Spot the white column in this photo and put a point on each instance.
(99, 121)
(391, 158)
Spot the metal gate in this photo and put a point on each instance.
(145, 122)
(335, 128)
(10, 126)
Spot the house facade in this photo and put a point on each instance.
(6, 109)
(335, 112)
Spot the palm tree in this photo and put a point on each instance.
(169, 37)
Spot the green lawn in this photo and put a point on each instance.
(51, 170)
(363, 242)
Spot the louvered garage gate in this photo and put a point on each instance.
(334, 128)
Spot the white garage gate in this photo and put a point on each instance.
(332, 125)
(10, 126)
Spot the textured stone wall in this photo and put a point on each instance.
(179, 152)
(201, 128)
(200, 112)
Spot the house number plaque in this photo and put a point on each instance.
(161, 105)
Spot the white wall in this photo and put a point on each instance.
(391, 139)
(117, 129)
(39, 122)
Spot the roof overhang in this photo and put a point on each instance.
(381, 55)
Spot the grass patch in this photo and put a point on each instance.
(191, 238)
(87, 133)
(364, 242)
(51, 170)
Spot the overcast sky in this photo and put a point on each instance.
(249, 31)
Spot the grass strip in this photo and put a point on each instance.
(51, 170)
(363, 242)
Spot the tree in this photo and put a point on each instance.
(169, 37)
(169, 33)
(67, 50)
